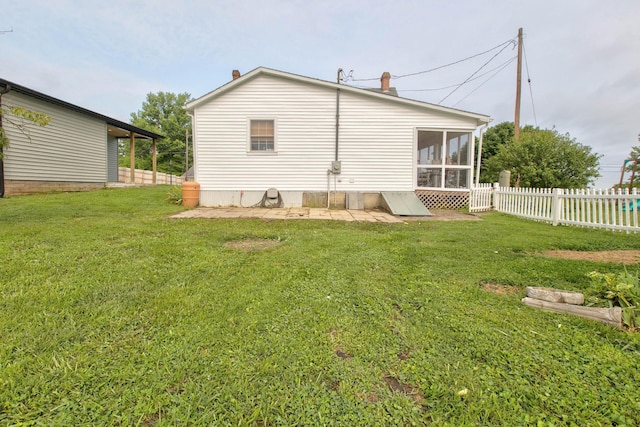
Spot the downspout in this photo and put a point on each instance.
(332, 170)
(328, 188)
(193, 145)
(186, 156)
(2, 92)
(479, 159)
(337, 113)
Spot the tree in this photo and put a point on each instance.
(545, 158)
(495, 137)
(20, 118)
(162, 113)
(634, 156)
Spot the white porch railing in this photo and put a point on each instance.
(607, 208)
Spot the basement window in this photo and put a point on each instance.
(262, 136)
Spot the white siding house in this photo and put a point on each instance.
(77, 150)
(271, 129)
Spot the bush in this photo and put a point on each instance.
(174, 195)
(617, 290)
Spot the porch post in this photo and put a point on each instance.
(153, 162)
(132, 157)
(479, 160)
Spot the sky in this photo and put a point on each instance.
(582, 56)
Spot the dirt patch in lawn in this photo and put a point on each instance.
(617, 257)
(500, 289)
(337, 347)
(410, 391)
(249, 245)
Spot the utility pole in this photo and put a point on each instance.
(516, 122)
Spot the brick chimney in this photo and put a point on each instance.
(235, 74)
(384, 81)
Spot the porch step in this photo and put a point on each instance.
(404, 203)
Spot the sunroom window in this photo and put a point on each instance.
(444, 159)
(457, 148)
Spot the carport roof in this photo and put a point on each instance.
(112, 123)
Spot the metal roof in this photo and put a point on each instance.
(110, 121)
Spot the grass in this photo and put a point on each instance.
(114, 314)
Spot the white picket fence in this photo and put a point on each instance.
(607, 208)
(481, 198)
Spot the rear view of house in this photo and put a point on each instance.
(314, 142)
(78, 150)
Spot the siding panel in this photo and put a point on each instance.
(376, 141)
(71, 148)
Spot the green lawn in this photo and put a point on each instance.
(114, 314)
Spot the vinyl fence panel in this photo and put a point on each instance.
(612, 209)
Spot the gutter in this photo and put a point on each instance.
(6, 89)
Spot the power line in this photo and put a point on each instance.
(511, 41)
(474, 73)
(454, 85)
(533, 106)
(498, 68)
(492, 76)
(506, 43)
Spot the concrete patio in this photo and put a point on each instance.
(290, 213)
(321, 213)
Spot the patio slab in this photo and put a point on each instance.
(323, 214)
(290, 214)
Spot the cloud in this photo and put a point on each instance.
(100, 89)
(106, 55)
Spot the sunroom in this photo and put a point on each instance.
(444, 167)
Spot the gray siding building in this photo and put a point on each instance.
(77, 150)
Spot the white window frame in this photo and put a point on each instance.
(443, 166)
(275, 137)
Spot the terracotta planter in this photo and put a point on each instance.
(190, 194)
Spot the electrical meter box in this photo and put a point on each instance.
(336, 167)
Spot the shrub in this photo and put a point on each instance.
(174, 195)
(617, 290)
